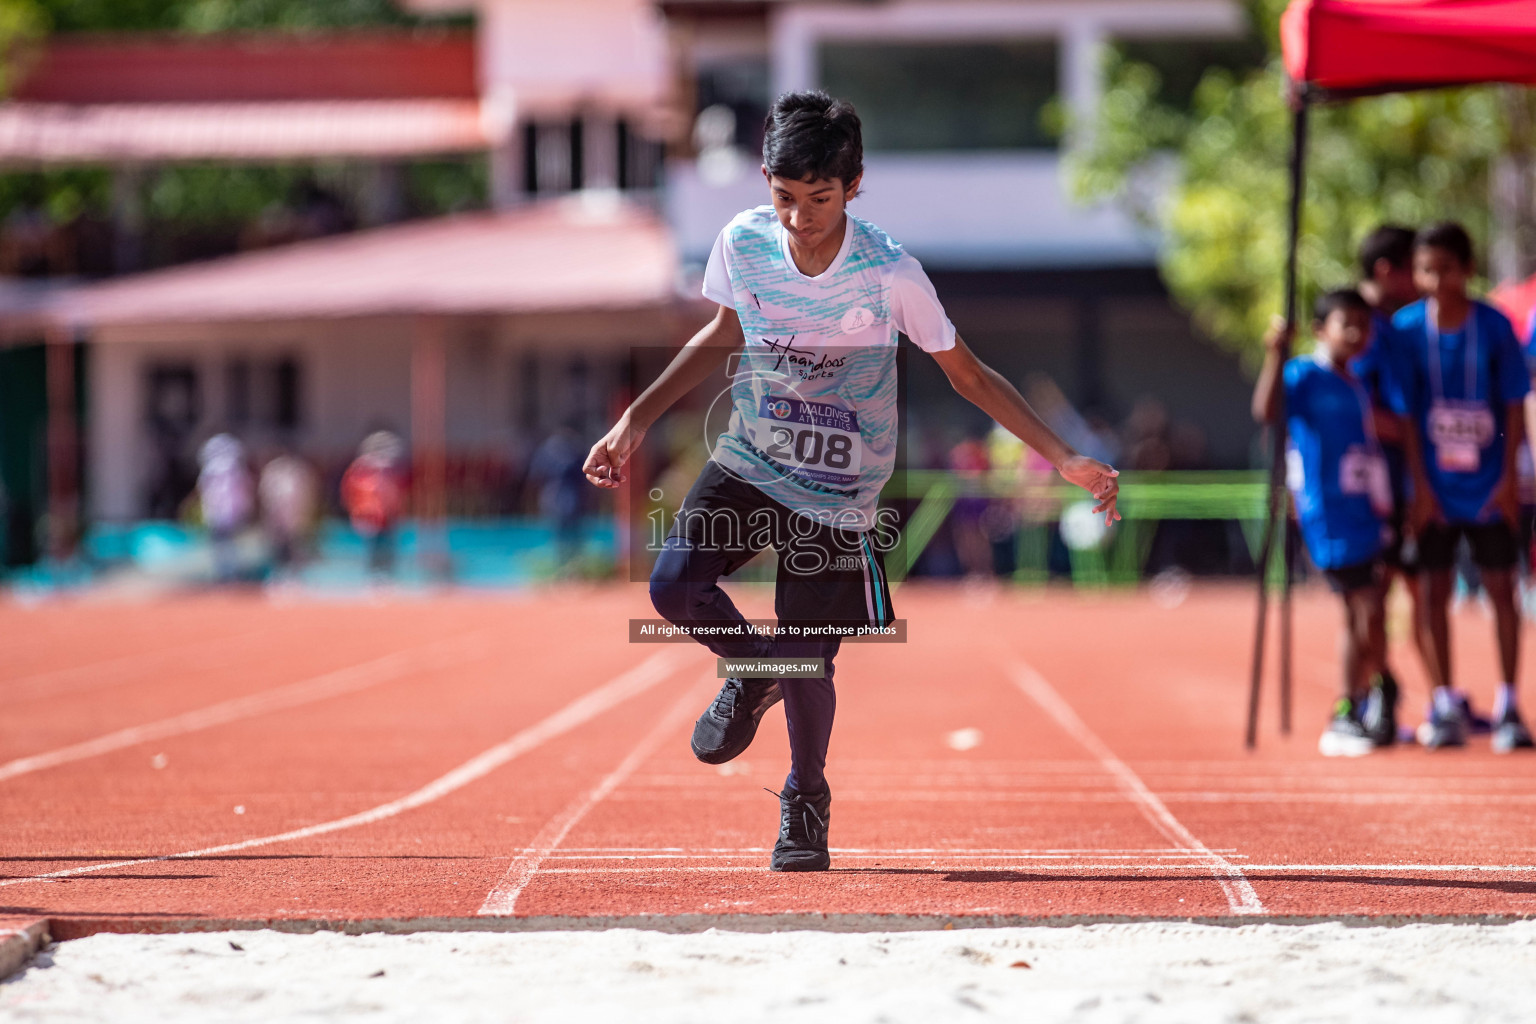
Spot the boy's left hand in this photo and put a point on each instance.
(1505, 500)
(1096, 478)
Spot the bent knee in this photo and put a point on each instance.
(672, 597)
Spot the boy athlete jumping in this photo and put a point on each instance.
(812, 299)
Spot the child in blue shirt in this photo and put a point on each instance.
(1466, 388)
(1386, 284)
(1338, 476)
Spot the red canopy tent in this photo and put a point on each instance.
(1518, 301)
(1340, 49)
(1363, 47)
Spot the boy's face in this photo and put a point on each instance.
(1439, 274)
(1395, 284)
(1345, 333)
(810, 210)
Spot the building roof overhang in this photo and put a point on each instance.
(578, 255)
(33, 134)
(132, 98)
(251, 67)
(49, 134)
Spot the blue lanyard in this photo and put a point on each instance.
(1366, 418)
(1432, 339)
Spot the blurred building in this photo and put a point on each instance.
(475, 335)
(619, 136)
(479, 333)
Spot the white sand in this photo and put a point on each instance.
(1105, 973)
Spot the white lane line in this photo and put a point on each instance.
(1240, 893)
(1425, 799)
(501, 901)
(612, 693)
(1320, 769)
(1350, 782)
(705, 851)
(896, 794)
(1340, 869)
(1238, 790)
(442, 654)
(1189, 858)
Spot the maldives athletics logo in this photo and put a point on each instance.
(780, 408)
(857, 319)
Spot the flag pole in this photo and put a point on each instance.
(1278, 509)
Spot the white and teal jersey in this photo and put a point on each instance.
(814, 411)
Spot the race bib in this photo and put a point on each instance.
(1460, 431)
(816, 440)
(1295, 473)
(1365, 472)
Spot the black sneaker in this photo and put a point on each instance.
(803, 820)
(1477, 724)
(1345, 736)
(1380, 715)
(1445, 726)
(727, 726)
(1510, 733)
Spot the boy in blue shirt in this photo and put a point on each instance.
(1386, 284)
(1465, 392)
(1338, 475)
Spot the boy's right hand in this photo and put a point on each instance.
(1423, 510)
(1098, 479)
(605, 462)
(1277, 339)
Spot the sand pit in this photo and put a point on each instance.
(1102, 974)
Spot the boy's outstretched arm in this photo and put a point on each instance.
(1266, 390)
(993, 395)
(704, 354)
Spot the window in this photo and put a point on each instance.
(531, 414)
(742, 88)
(1182, 62)
(552, 157)
(263, 393)
(237, 384)
(173, 403)
(285, 397)
(962, 96)
(640, 159)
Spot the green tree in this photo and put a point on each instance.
(1213, 178)
(195, 208)
(219, 15)
(22, 24)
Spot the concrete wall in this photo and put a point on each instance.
(510, 380)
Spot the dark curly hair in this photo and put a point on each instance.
(1340, 298)
(809, 136)
(1449, 237)
(1390, 242)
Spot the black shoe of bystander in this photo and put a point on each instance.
(1380, 715)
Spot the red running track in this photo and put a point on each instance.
(509, 761)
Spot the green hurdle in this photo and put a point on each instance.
(1145, 500)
